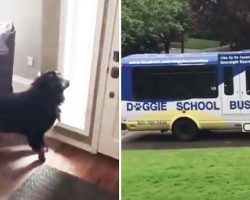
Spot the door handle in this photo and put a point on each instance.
(111, 95)
(115, 72)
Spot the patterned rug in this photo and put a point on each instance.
(51, 184)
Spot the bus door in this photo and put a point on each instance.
(230, 90)
(244, 104)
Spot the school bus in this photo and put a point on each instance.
(186, 93)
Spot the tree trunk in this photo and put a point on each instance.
(182, 45)
(167, 46)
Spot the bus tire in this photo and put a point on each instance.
(123, 126)
(185, 129)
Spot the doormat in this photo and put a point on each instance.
(51, 184)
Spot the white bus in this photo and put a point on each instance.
(186, 93)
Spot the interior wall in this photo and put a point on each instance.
(37, 32)
(50, 34)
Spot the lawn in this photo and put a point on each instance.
(202, 174)
(193, 43)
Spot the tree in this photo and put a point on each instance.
(150, 25)
(228, 20)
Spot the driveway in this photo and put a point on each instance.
(157, 140)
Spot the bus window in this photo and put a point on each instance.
(228, 81)
(248, 80)
(175, 82)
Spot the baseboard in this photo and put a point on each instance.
(64, 139)
(20, 83)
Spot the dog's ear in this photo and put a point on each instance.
(46, 73)
(50, 73)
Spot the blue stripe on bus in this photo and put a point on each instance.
(213, 59)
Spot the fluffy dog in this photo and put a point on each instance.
(33, 112)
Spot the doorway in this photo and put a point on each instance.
(76, 60)
(88, 63)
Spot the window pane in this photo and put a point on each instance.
(248, 80)
(228, 81)
(76, 61)
(175, 82)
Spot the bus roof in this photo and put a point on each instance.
(208, 58)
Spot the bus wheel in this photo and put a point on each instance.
(123, 126)
(185, 129)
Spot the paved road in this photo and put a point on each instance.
(157, 140)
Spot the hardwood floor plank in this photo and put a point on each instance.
(18, 162)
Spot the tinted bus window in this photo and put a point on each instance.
(248, 80)
(228, 81)
(175, 82)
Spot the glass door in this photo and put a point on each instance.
(76, 54)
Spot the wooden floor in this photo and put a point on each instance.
(18, 162)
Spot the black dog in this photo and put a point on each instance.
(34, 111)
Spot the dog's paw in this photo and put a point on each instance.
(41, 156)
(42, 159)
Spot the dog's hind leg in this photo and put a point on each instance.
(37, 144)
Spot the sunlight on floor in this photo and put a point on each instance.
(17, 163)
(23, 162)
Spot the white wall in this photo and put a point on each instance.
(50, 34)
(36, 33)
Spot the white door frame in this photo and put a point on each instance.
(113, 5)
(102, 39)
(108, 143)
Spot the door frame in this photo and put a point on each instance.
(66, 133)
(108, 141)
(113, 5)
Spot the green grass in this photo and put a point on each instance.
(193, 43)
(203, 174)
